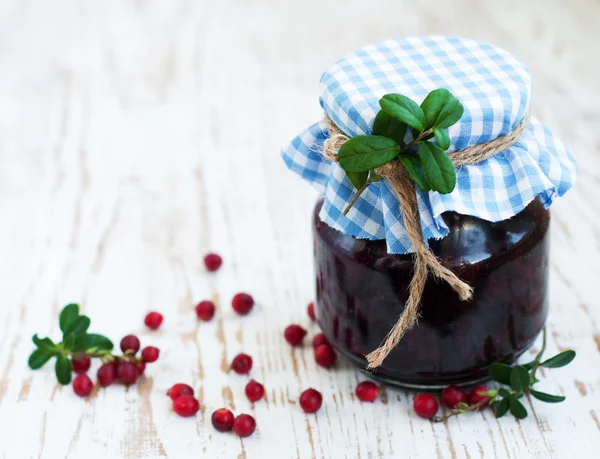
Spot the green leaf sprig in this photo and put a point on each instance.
(518, 381)
(76, 341)
(427, 163)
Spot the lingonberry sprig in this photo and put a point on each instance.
(76, 341)
(427, 163)
(517, 381)
(78, 347)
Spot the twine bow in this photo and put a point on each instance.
(425, 261)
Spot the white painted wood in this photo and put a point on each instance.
(136, 135)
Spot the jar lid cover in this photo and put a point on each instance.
(495, 89)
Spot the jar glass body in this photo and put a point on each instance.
(361, 291)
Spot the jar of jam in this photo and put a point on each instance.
(488, 231)
(361, 289)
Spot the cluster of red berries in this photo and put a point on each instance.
(453, 397)
(323, 352)
(126, 368)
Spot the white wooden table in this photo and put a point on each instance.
(137, 135)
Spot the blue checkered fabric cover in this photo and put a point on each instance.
(495, 89)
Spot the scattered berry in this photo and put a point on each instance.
(311, 311)
(150, 354)
(153, 320)
(325, 356)
(127, 373)
(294, 334)
(318, 340)
(367, 391)
(242, 303)
(178, 390)
(244, 425)
(311, 400)
(205, 310)
(107, 374)
(425, 405)
(186, 406)
(140, 366)
(130, 344)
(255, 391)
(222, 420)
(83, 385)
(478, 394)
(212, 261)
(81, 363)
(241, 364)
(452, 396)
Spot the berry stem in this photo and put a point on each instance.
(471, 408)
(538, 358)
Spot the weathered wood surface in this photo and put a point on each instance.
(136, 135)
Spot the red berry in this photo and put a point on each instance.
(452, 396)
(178, 390)
(150, 354)
(153, 320)
(212, 261)
(367, 391)
(294, 334)
(325, 356)
(81, 363)
(222, 420)
(242, 303)
(107, 374)
(318, 340)
(425, 405)
(241, 364)
(130, 344)
(186, 406)
(478, 394)
(140, 366)
(127, 372)
(311, 311)
(311, 400)
(205, 310)
(255, 391)
(83, 385)
(244, 425)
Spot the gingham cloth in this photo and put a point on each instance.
(495, 89)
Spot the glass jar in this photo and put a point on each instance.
(361, 291)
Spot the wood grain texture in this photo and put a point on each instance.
(136, 135)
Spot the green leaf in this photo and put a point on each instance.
(388, 126)
(519, 379)
(441, 108)
(45, 343)
(63, 369)
(500, 372)
(560, 360)
(451, 112)
(404, 109)
(67, 316)
(39, 357)
(442, 138)
(517, 409)
(529, 366)
(97, 342)
(358, 179)
(502, 392)
(375, 177)
(548, 398)
(79, 326)
(412, 163)
(365, 152)
(501, 407)
(438, 168)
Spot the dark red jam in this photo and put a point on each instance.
(361, 291)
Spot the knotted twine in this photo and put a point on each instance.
(425, 261)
